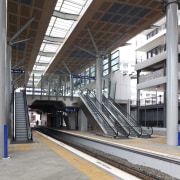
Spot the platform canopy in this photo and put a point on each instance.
(64, 31)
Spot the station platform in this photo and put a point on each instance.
(156, 144)
(46, 160)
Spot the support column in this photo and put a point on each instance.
(172, 73)
(99, 79)
(8, 87)
(3, 46)
(138, 99)
(42, 85)
(71, 86)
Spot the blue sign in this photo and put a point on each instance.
(70, 109)
(83, 77)
(18, 71)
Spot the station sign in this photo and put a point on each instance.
(83, 77)
(69, 109)
(20, 71)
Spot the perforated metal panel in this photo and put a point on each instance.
(124, 14)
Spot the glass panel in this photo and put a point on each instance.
(105, 61)
(115, 68)
(115, 61)
(59, 28)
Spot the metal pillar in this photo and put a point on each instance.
(8, 87)
(42, 93)
(99, 79)
(3, 45)
(33, 86)
(172, 73)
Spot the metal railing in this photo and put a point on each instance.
(29, 130)
(134, 122)
(101, 120)
(117, 126)
(124, 117)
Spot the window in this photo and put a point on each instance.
(115, 61)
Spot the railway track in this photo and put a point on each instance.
(115, 155)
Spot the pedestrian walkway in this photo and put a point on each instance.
(45, 160)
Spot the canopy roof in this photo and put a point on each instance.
(71, 33)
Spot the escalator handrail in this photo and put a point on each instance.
(84, 97)
(139, 132)
(29, 130)
(125, 113)
(116, 128)
(115, 120)
(106, 118)
(133, 120)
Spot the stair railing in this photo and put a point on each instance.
(114, 121)
(29, 130)
(115, 110)
(96, 112)
(133, 121)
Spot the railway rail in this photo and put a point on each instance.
(136, 162)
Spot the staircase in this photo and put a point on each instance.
(21, 128)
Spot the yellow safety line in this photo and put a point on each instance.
(90, 170)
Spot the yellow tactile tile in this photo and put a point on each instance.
(82, 165)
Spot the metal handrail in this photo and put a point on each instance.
(115, 120)
(29, 130)
(125, 119)
(97, 114)
(132, 121)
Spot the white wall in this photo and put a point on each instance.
(123, 85)
(43, 119)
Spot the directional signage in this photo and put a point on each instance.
(83, 77)
(70, 109)
(20, 71)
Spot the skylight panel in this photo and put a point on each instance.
(39, 68)
(58, 30)
(73, 6)
(68, 7)
(79, 2)
(44, 59)
(42, 46)
(50, 48)
(37, 74)
(58, 5)
(66, 24)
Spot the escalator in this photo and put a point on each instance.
(105, 124)
(121, 129)
(126, 119)
(21, 130)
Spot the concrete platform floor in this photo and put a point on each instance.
(45, 160)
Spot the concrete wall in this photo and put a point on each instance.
(159, 131)
(82, 121)
(72, 120)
